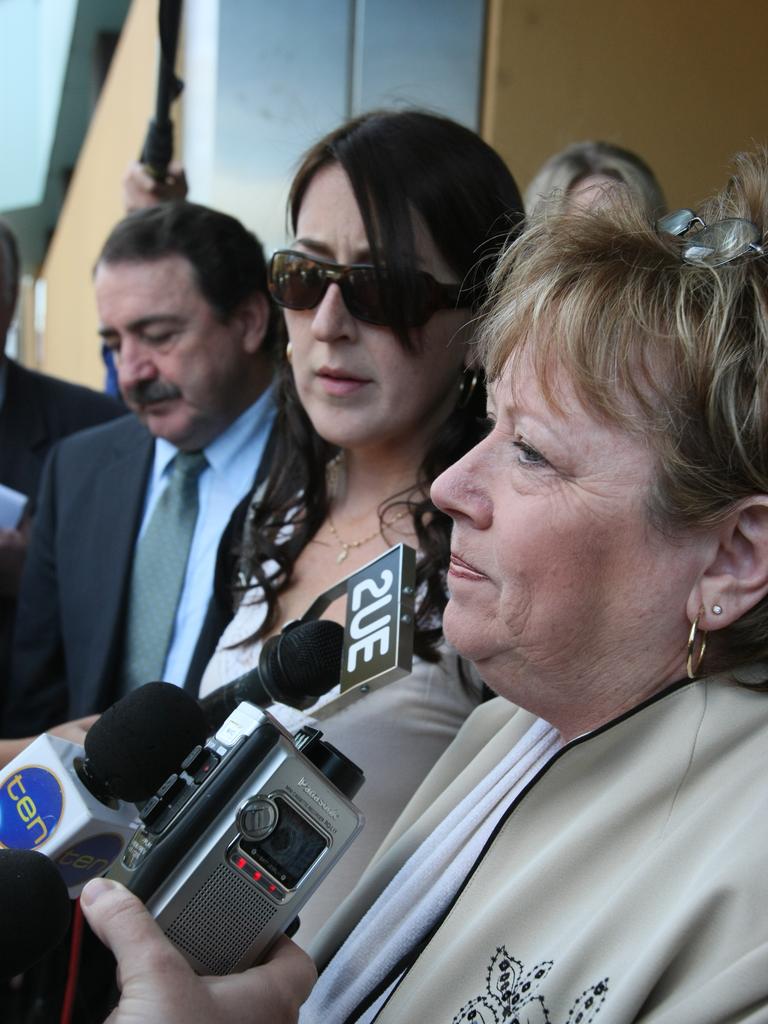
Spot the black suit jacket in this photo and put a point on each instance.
(74, 591)
(38, 411)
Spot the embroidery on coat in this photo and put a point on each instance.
(513, 996)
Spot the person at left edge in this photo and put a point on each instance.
(182, 300)
(35, 411)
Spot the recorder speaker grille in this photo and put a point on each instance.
(222, 921)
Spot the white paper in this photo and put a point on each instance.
(12, 505)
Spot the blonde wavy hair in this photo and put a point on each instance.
(674, 352)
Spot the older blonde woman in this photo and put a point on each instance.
(592, 846)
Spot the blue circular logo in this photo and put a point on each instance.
(88, 858)
(31, 802)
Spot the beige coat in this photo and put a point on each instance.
(629, 883)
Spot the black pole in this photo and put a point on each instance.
(158, 145)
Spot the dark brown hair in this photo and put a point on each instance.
(227, 260)
(398, 163)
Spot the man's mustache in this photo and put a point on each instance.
(148, 391)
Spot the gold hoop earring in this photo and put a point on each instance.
(693, 669)
(467, 387)
(289, 351)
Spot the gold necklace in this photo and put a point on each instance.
(333, 471)
(347, 546)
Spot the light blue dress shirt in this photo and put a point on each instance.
(233, 459)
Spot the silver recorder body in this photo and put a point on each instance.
(235, 843)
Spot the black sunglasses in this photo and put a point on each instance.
(298, 281)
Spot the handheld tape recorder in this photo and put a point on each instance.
(234, 843)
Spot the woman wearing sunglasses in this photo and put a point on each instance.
(395, 218)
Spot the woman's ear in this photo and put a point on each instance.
(736, 578)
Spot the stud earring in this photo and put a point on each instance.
(289, 351)
(717, 609)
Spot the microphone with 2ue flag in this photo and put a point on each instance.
(312, 655)
(231, 849)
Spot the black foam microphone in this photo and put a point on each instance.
(140, 741)
(34, 910)
(294, 668)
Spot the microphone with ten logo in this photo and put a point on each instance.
(77, 809)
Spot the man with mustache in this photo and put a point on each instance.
(183, 306)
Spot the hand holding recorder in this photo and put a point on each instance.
(159, 987)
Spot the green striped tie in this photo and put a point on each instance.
(157, 578)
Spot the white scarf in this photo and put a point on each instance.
(423, 888)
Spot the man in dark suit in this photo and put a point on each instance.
(182, 298)
(35, 412)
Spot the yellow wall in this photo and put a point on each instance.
(70, 347)
(681, 82)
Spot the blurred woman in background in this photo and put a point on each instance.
(586, 172)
